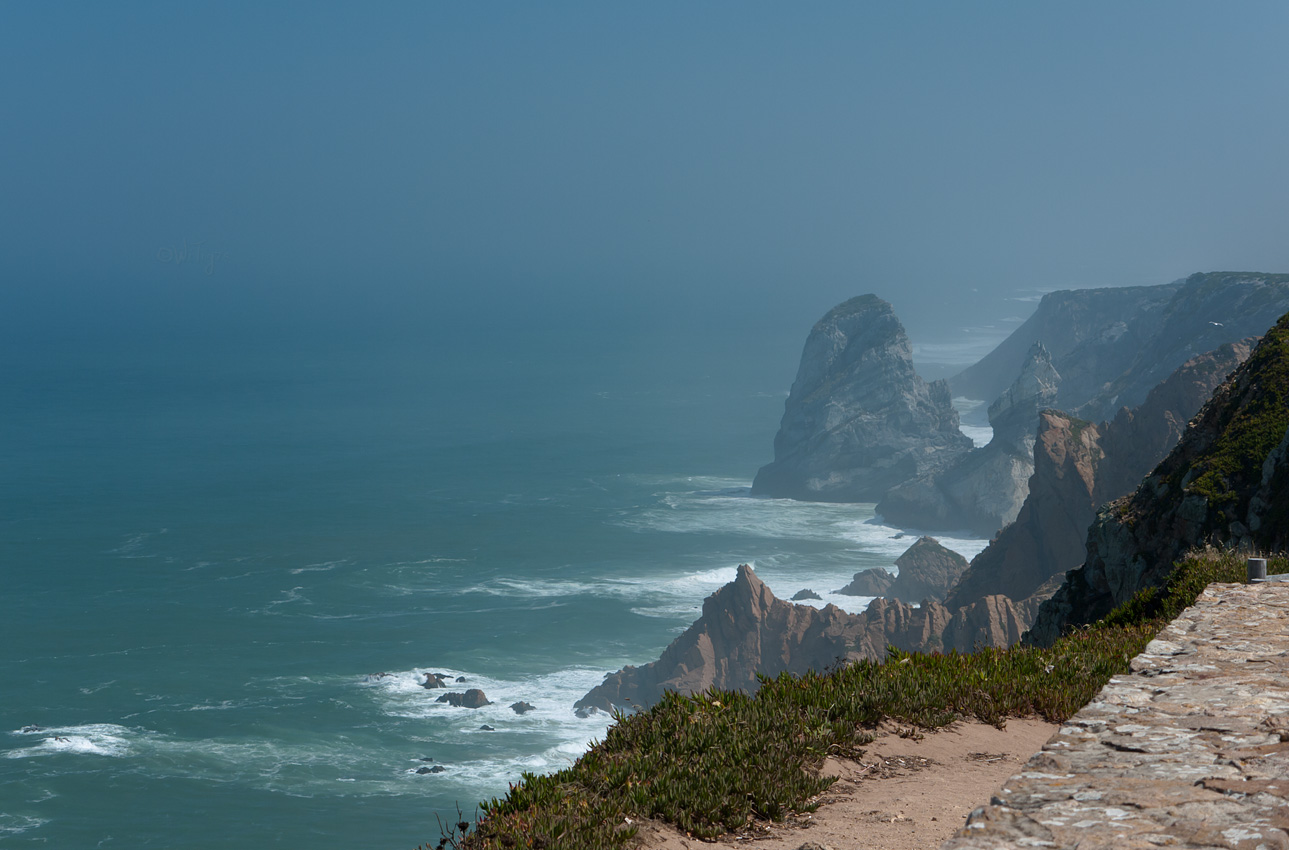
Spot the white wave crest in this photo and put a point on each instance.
(98, 739)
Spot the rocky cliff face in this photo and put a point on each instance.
(984, 490)
(1137, 439)
(859, 420)
(1208, 311)
(926, 571)
(1108, 321)
(1112, 346)
(1078, 467)
(1223, 484)
(1047, 537)
(745, 630)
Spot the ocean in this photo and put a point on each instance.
(227, 566)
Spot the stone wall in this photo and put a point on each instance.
(1189, 750)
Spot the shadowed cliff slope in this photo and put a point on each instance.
(1078, 467)
(1112, 346)
(1226, 483)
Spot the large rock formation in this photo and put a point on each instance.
(926, 571)
(1109, 322)
(1224, 484)
(984, 490)
(1208, 311)
(1112, 346)
(1078, 467)
(745, 630)
(1048, 534)
(859, 420)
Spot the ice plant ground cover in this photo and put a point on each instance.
(718, 761)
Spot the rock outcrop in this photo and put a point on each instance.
(984, 490)
(875, 581)
(926, 571)
(1223, 484)
(859, 420)
(1112, 346)
(1078, 467)
(745, 630)
(473, 698)
(1109, 322)
(1047, 537)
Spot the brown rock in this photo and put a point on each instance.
(927, 570)
(473, 698)
(745, 630)
(1223, 484)
(871, 582)
(1077, 468)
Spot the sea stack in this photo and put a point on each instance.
(859, 420)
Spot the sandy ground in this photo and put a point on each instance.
(901, 794)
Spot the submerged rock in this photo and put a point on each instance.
(438, 768)
(522, 707)
(859, 420)
(807, 593)
(434, 680)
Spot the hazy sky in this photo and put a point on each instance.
(694, 158)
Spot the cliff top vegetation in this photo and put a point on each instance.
(720, 761)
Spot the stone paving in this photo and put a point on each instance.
(1189, 750)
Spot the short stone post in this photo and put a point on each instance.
(1257, 569)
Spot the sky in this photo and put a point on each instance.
(756, 163)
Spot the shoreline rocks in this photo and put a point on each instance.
(473, 698)
(927, 570)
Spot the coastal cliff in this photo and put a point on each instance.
(1223, 484)
(746, 631)
(859, 420)
(1111, 346)
(1079, 466)
(984, 489)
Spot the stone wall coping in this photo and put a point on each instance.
(1188, 750)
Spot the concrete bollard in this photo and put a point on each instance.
(1257, 569)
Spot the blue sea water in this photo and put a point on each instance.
(227, 566)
